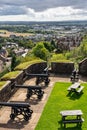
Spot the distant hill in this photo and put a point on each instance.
(44, 22)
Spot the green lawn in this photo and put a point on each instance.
(61, 100)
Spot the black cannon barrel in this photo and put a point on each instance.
(38, 75)
(46, 69)
(28, 87)
(14, 104)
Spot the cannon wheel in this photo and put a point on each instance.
(31, 111)
(28, 95)
(26, 117)
(40, 96)
(37, 81)
(12, 116)
(47, 81)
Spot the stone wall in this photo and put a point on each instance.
(8, 90)
(36, 68)
(62, 68)
(83, 67)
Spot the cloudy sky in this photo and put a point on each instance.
(43, 10)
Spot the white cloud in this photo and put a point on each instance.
(52, 14)
(31, 12)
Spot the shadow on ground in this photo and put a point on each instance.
(14, 124)
(74, 95)
(69, 127)
(33, 100)
(83, 78)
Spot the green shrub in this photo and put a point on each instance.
(56, 57)
(40, 51)
(28, 57)
(4, 72)
(2, 83)
(62, 61)
(26, 64)
(10, 75)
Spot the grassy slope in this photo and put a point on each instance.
(60, 100)
(2, 83)
(11, 75)
(26, 64)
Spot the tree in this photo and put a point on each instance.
(29, 44)
(0, 46)
(48, 46)
(53, 44)
(40, 51)
(13, 62)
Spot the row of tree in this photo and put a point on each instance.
(45, 50)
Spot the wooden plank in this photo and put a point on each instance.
(69, 89)
(71, 112)
(75, 85)
(74, 121)
(80, 89)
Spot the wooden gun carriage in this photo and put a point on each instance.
(40, 78)
(45, 71)
(18, 108)
(32, 90)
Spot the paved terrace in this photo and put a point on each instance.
(36, 105)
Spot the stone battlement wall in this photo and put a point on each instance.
(57, 68)
(62, 68)
(83, 67)
(8, 90)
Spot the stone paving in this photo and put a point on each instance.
(36, 105)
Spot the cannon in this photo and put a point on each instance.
(18, 108)
(40, 78)
(32, 90)
(45, 71)
(75, 76)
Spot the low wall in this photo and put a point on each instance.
(18, 78)
(83, 67)
(8, 90)
(62, 68)
(36, 68)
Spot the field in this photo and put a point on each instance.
(5, 33)
(60, 100)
